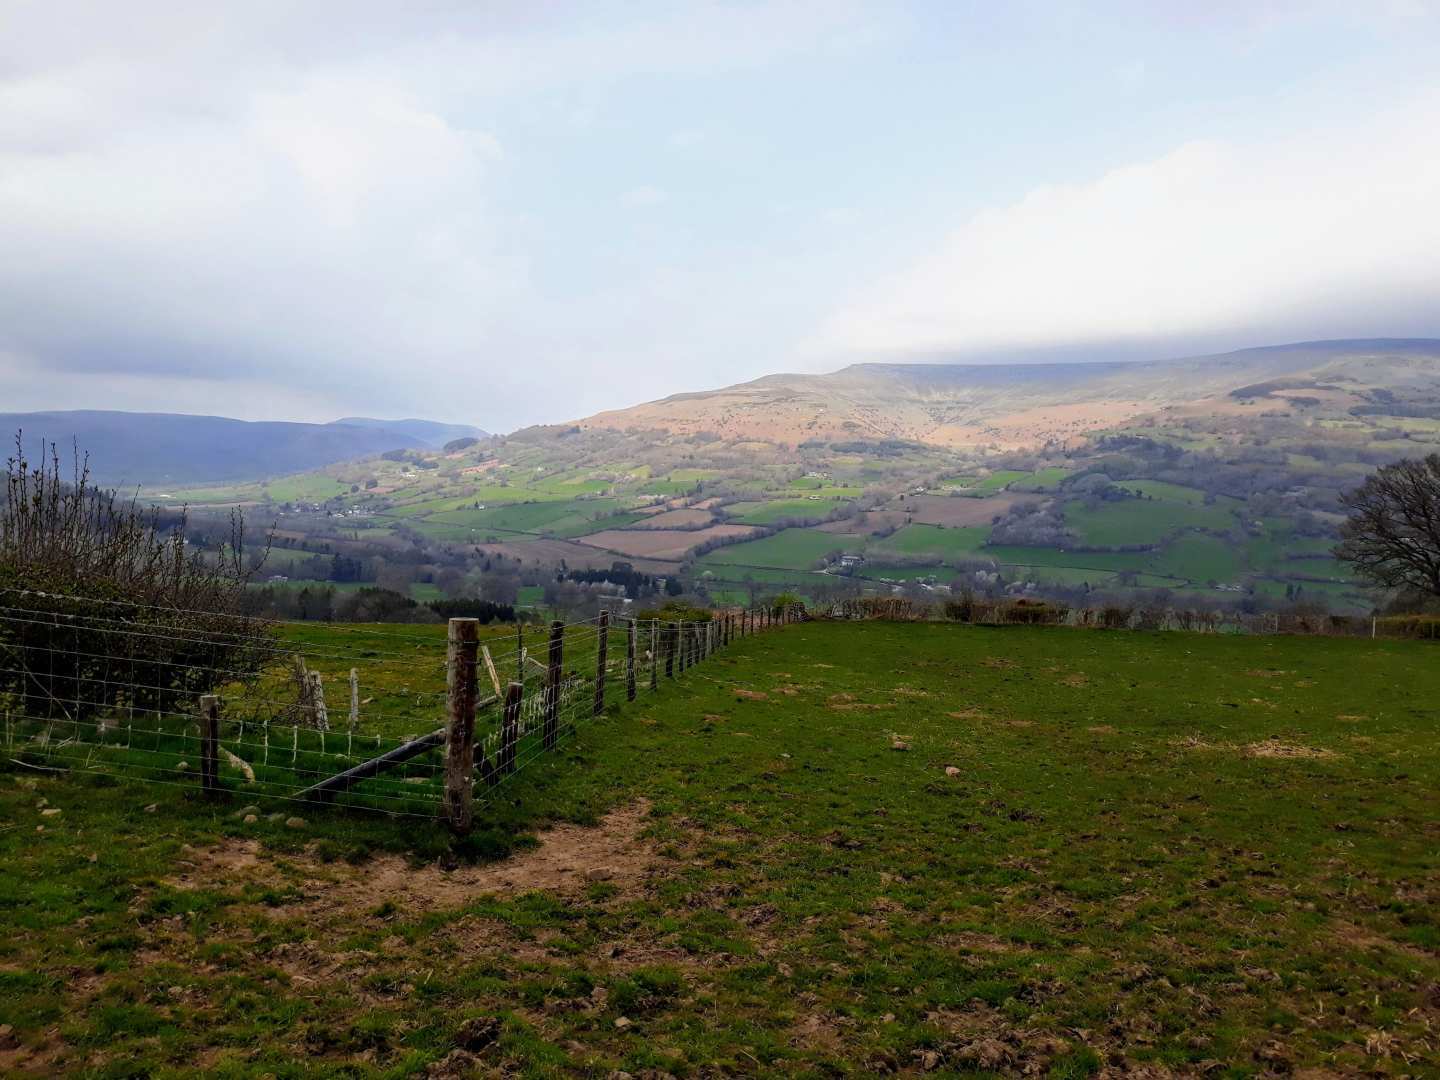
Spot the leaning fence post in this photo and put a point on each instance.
(510, 726)
(460, 660)
(630, 660)
(600, 658)
(553, 675)
(210, 744)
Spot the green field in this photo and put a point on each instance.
(957, 542)
(1162, 853)
(789, 549)
(1141, 521)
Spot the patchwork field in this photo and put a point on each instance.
(661, 543)
(848, 849)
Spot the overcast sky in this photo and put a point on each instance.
(505, 213)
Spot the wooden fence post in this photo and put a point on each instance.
(210, 745)
(601, 649)
(682, 641)
(510, 726)
(654, 654)
(461, 694)
(630, 660)
(553, 675)
(670, 650)
(519, 650)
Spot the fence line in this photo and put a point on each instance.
(1025, 612)
(125, 694)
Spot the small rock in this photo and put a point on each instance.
(275, 817)
(250, 819)
(92, 857)
(899, 744)
(599, 873)
(152, 808)
(888, 1018)
(951, 770)
(184, 766)
(295, 823)
(621, 1023)
(928, 1060)
(176, 991)
(50, 811)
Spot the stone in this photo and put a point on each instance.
(152, 808)
(599, 873)
(295, 823)
(50, 811)
(951, 770)
(899, 744)
(250, 819)
(621, 1023)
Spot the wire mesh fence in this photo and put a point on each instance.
(398, 720)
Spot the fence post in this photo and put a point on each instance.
(682, 645)
(510, 726)
(553, 675)
(670, 650)
(630, 660)
(600, 656)
(460, 671)
(354, 699)
(210, 745)
(519, 650)
(654, 654)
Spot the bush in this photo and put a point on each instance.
(106, 607)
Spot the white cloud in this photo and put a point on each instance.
(1321, 233)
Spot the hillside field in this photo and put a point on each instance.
(1169, 851)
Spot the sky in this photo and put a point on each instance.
(513, 213)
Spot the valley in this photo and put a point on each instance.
(1219, 488)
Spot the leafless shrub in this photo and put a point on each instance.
(104, 605)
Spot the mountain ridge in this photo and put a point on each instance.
(1010, 406)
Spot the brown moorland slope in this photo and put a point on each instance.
(1011, 406)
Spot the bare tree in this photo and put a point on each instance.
(104, 605)
(1393, 534)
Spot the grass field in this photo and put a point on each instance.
(958, 542)
(1142, 521)
(789, 549)
(1159, 851)
(767, 513)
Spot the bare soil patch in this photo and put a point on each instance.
(1274, 748)
(567, 860)
(575, 555)
(670, 544)
(952, 510)
(676, 519)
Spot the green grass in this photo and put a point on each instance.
(789, 549)
(1141, 521)
(1115, 874)
(768, 513)
(956, 542)
(996, 481)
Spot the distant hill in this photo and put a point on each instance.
(153, 449)
(1009, 406)
(428, 433)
